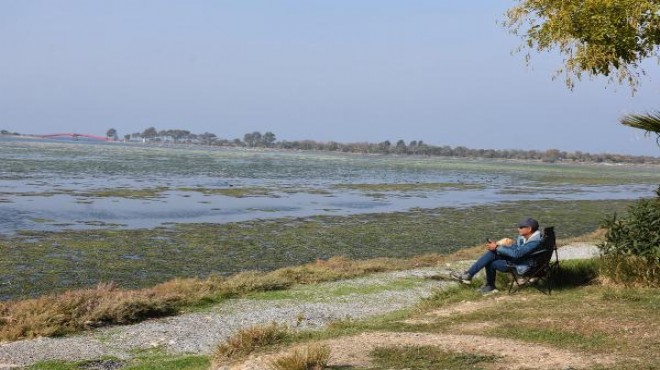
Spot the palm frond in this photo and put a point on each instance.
(649, 122)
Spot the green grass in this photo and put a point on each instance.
(312, 293)
(148, 360)
(556, 337)
(447, 297)
(427, 358)
(171, 363)
(56, 365)
(645, 298)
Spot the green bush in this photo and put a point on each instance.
(631, 250)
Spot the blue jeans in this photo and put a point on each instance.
(492, 263)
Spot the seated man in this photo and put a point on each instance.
(501, 258)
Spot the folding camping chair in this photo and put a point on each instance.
(543, 268)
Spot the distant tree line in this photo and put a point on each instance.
(418, 147)
(251, 140)
(415, 147)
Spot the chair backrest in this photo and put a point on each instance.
(543, 254)
(548, 238)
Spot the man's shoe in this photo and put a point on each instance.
(463, 277)
(487, 289)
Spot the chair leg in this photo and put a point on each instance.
(553, 270)
(540, 280)
(540, 285)
(544, 282)
(512, 278)
(514, 285)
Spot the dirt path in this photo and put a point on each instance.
(354, 351)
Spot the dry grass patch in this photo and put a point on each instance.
(249, 340)
(81, 309)
(631, 271)
(591, 238)
(312, 357)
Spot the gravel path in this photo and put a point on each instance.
(200, 332)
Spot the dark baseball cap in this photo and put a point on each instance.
(529, 222)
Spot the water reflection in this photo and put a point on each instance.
(53, 213)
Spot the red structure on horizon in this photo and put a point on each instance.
(76, 136)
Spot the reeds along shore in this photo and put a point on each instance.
(78, 310)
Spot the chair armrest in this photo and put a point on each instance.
(540, 251)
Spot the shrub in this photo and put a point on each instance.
(631, 250)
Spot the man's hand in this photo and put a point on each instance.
(491, 246)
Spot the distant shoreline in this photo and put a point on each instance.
(285, 146)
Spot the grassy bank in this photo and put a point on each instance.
(584, 324)
(39, 263)
(78, 310)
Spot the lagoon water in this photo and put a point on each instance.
(54, 185)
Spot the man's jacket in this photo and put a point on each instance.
(519, 253)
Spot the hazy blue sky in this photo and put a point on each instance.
(342, 70)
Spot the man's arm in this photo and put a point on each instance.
(518, 251)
